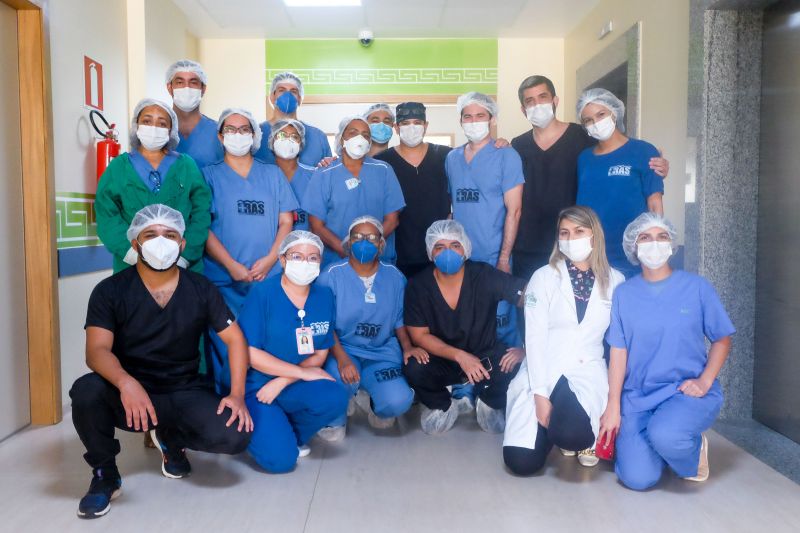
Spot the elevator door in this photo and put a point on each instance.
(777, 341)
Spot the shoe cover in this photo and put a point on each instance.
(490, 420)
(436, 421)
(332, 434)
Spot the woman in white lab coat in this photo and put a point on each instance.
(561, 389)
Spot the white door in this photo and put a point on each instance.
(15, 411)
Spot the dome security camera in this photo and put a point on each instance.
(365, 37)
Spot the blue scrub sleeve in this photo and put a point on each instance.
(651, 182)
(716, 323)
(253, 316)
(512, 169)
(208, 176)
(401, 289)
(615, 336)
(324, 147)
(318, 194)
(392, 195)
(286, 199)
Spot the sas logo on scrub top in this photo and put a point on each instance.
(620, 170)
(368, 330)
(468, 195)
(250, 207)
(320, 328)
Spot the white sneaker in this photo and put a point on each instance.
(567, 453)
(436, 421)
(490, 420)
(702, 465)
(332, 434)
(588, 458)
(303, 451)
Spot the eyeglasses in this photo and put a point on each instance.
(244, 130)
(371, 237)
(281, 135)
(297, 256)
(155, 179)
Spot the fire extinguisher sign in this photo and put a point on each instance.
(92, 84)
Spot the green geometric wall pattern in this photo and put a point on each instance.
(76, 224)
(389, 66)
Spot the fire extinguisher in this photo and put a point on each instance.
(107, 147)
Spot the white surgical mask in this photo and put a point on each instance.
(412, 134)
(357, 147)
(152, 137)
(654, 254)
(540, 115)
(237, 144)
(286, 148)
(160, 253)
(603, 129)
(186, 99)
(301, 272)
(576, 250)
(476, 131)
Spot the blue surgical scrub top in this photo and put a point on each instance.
(299, 185)
(150, 176)
(616, 185)
(337, 198)
(245, 212)
(663, 326)
(477, 189)
(269, 320)
(315, 150)
(203, 143)
(366, 322)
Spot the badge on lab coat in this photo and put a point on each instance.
(352, 183)
(305, 341)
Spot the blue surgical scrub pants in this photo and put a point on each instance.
(667, 435)
(299, 411)
(383, 381)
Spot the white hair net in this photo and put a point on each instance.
(379, 107)
(282, 124)
(366, 219)
(606, 99)
(640, 224)
(155, 214)
(481, 99)
(287, 77)
(174, 139)
(299, 236)
(250, 118)
(187, 65)
(450, 230)
(343, 126)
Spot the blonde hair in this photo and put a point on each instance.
(598, 262)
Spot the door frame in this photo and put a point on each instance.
(38, 199)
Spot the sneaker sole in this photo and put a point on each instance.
(163, 457)
(103, 512)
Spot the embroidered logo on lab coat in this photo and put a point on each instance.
(530, 300)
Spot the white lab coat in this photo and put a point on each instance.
(555, 345)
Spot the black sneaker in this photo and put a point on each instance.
(175, 465)
(106, 485)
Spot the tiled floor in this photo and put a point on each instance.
(400, 480)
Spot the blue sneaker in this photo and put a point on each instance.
(106, 485)
(174, 463)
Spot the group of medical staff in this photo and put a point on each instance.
(490, 277)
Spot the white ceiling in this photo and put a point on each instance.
(386, 18)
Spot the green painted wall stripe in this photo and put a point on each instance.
(76, 224)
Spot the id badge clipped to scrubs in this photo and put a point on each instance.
(304, 336)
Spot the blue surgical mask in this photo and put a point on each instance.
(381, 132)
(448, 261)
(287, 103)
(364, 251)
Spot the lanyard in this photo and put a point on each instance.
(301, 314)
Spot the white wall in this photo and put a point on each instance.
(236, 75)
(167, 39)
(96, 28)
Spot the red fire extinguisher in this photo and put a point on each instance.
(107, 147)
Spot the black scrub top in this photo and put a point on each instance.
(472, 325)
(158, 347)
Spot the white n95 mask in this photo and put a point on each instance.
(152, 137)
(301, 272)
(476, 131)
(160, 253)
(654, 254)
(186, 99)
(540, 115)
(412, 134)
(237, 144)
(356, 147)
(576, 250)
(603, 129)
(286, 148)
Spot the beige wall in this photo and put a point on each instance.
(664, 81)
(516, 60)
(236, 76)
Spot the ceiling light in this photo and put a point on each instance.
(322, 3)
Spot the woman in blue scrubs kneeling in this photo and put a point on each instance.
(372, 339)
(663, 388)
(288, 322)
